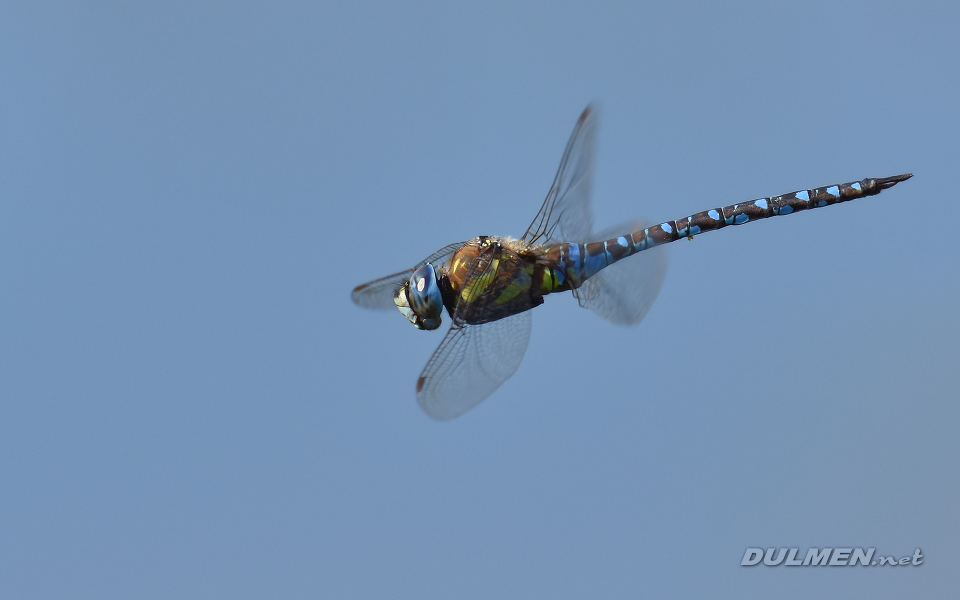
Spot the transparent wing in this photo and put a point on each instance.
(378, 294)
(566, 213)
(470, 363)
(623, 292)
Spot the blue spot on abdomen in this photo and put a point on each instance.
(593, 264)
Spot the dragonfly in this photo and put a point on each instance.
(487, 285)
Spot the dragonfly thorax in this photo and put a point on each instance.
(465, 260)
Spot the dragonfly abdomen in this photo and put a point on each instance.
(761, 208)
(572, 264)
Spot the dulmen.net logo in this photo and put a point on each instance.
(829, 557)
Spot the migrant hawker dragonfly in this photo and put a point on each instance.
(488, 285)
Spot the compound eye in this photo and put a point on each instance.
(425, 297)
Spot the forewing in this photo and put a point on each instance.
(623, 292)
(378, 294)
(566, 214)
(470, 363)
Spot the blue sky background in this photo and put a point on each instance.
(191, 406)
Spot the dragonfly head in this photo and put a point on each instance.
(420, 299)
